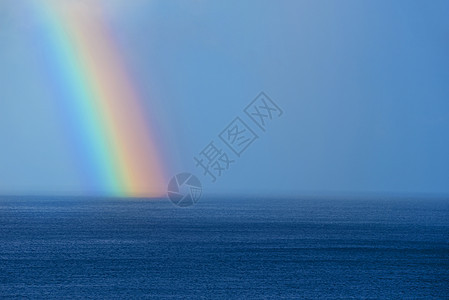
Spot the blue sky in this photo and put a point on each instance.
(363, 85)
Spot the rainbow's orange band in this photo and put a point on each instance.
(112, 125)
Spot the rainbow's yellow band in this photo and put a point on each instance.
(106, 112)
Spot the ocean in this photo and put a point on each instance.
(252, 248)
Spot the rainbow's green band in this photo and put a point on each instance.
(104, 109)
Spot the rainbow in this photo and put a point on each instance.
(102, 108)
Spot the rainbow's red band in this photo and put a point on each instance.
(112, 126)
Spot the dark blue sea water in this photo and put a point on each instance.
(221, 248)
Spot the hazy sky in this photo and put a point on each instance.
(364, 86)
